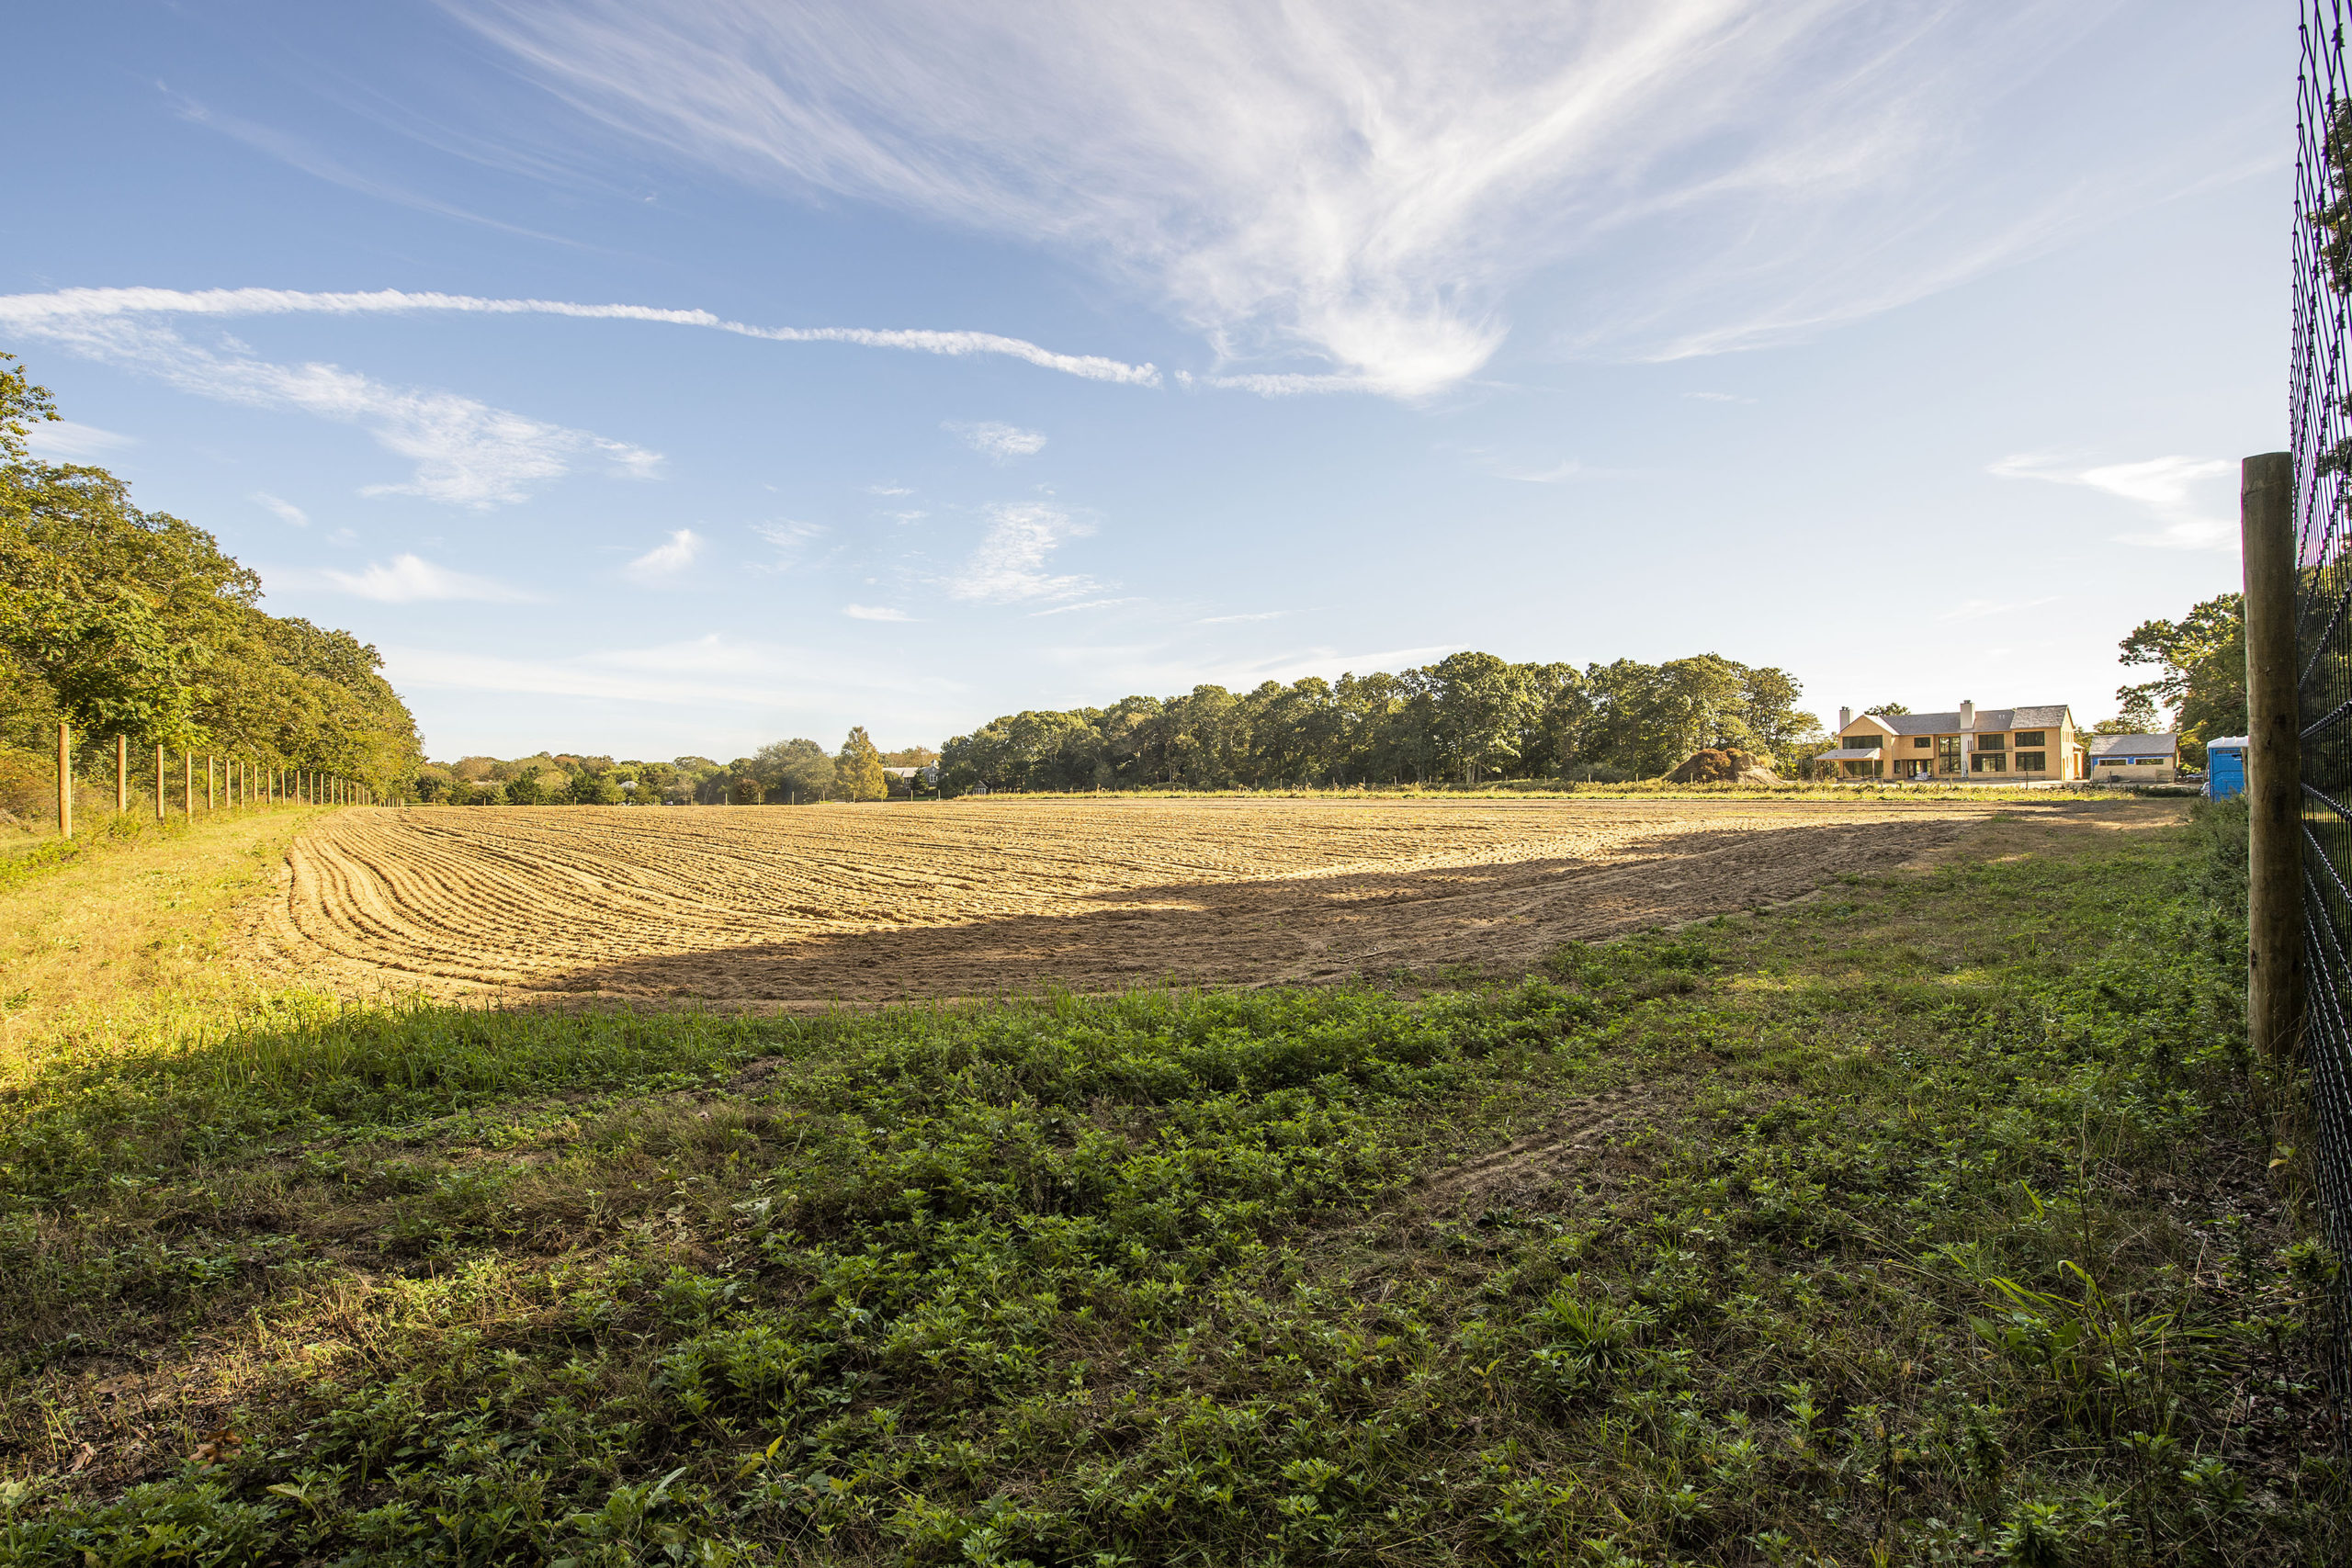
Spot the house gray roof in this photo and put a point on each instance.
(1991, 721)
(2134, 745)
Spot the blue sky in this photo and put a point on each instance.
(673, 376)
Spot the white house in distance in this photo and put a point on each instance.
(2135, 759)
(1972, 746)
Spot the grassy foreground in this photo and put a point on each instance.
(1922, 1222)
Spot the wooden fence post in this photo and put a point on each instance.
(159, 781)
(187, 783)
(211, 802)
(122, 775)
(64, 780)
(2274, 1003)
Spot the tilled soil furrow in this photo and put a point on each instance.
(860, 903)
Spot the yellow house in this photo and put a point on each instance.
(1972, 746)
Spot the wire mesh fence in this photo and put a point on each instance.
(2321, 415)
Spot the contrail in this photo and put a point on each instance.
(68, 306)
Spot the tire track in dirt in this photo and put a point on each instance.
(802, 906)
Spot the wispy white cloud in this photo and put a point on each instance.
(873, 613)
(1285, 383)
(2168, 487)
(67, 311)
(408, 580)
(466, 453)
(298, 154)
(790, 542)
(1228, 620)
(889, 490)
(1086, 604)
(1009, 564)
(63, 441)
(1360, 183)
(1717, 398)
(666, 560)
(285, 510)
(1001, 442)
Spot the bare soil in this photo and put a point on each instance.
(803, 906)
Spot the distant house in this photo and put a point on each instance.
(902, 780)
(2135, 759)
(1970, 746)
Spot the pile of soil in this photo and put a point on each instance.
(1723, 767)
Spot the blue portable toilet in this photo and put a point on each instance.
(2226, 767)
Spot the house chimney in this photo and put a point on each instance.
(1968, 716)
(1845, 717)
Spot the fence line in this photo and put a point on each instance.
(2320, 415)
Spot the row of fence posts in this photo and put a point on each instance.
(229, 783)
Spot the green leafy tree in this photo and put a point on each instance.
(522, 789)
(798, 770)
(859, 768)
(590, 787)
(1477, 706)
(2139, 714)
(131, 623)
(2201, 661)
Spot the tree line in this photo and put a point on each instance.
(124, 622)
(1465, 719)
(796, 771)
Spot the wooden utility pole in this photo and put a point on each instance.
(122, 775)
(64, 780)
(2274, 998)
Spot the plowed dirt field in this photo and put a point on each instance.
(969, 898)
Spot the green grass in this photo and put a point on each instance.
(1922, 1222)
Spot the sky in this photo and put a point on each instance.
(657, 378)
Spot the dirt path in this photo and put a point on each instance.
(801, 907)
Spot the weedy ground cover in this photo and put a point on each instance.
(1927, 1220)
(129, 930)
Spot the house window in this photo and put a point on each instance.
(2032, 761)
(1947, 753)
(1921, 742)
(1992, 743)
(2030, 737)
(1860, 742)
(1989, 762)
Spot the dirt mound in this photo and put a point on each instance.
(1725, 766)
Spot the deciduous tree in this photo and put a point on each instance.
(859, 768)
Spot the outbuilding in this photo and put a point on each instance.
(2134, 759)
(2226, 767)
